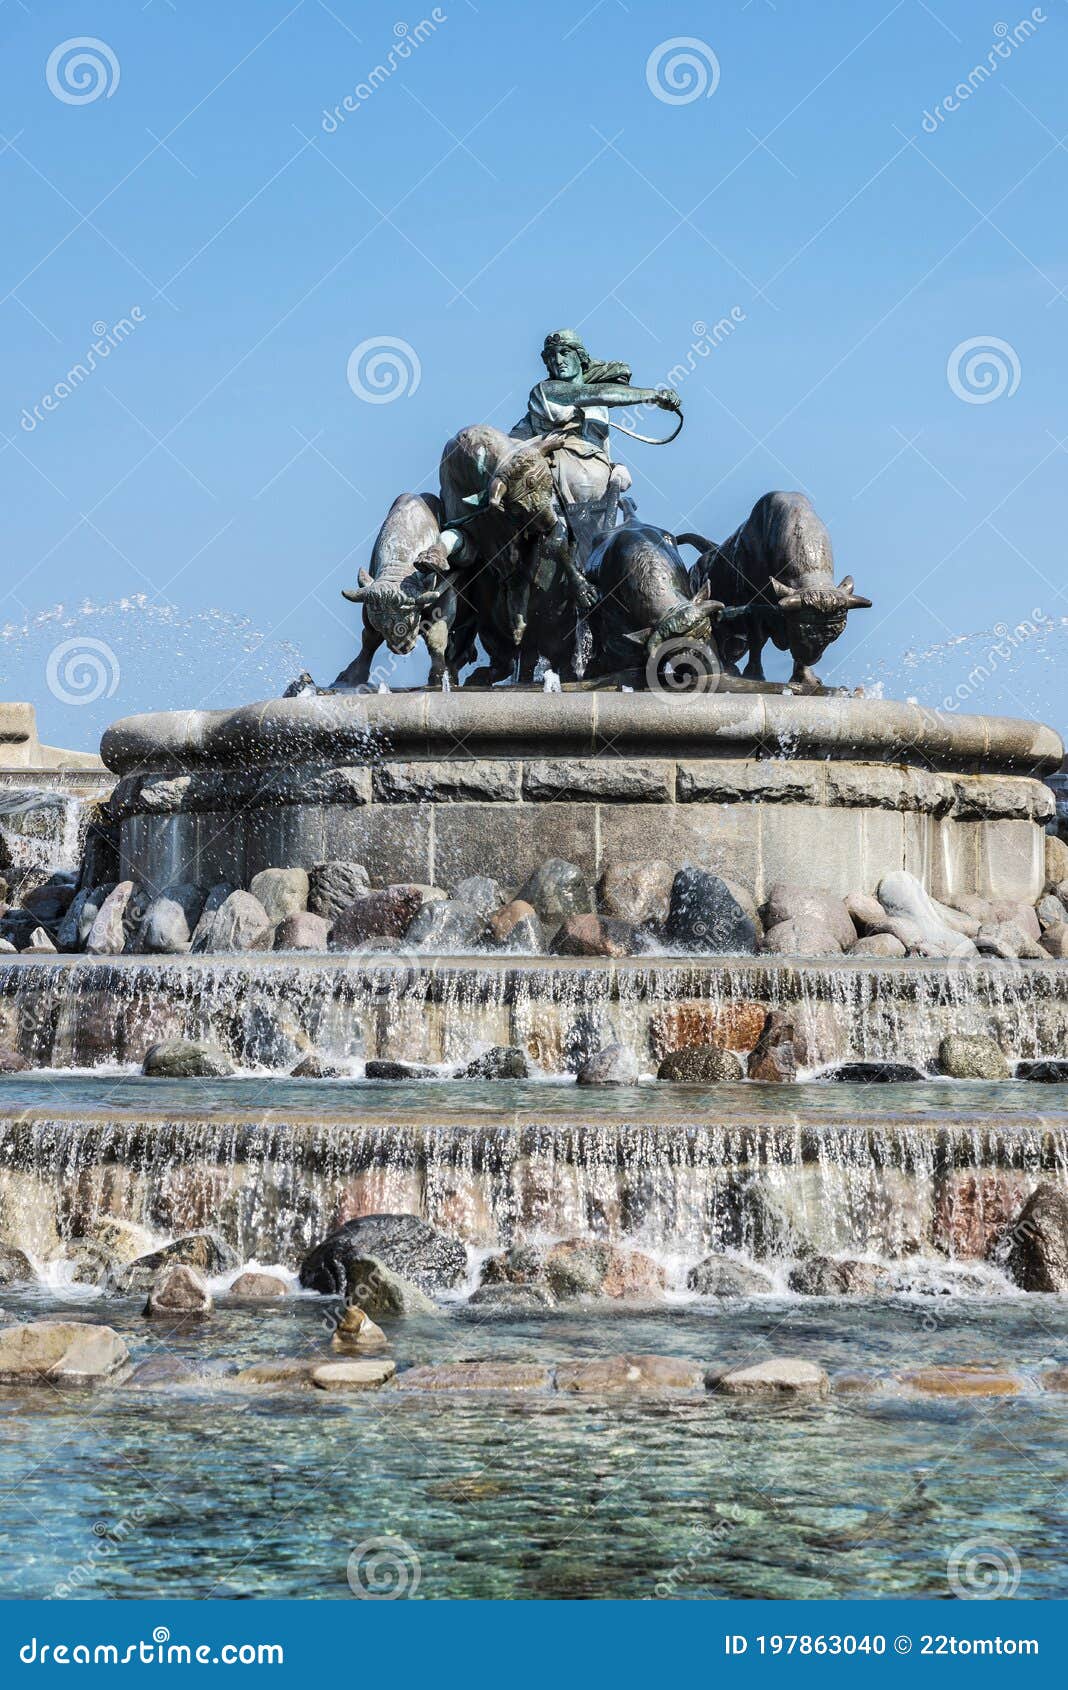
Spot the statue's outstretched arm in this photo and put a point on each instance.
(608, 393)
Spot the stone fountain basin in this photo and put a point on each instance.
(431, 787)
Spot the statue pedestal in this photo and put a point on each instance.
(430, 787)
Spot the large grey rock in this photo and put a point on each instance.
(77, 923)
(302, 931)
(483, 894)
(178, 1290)
(884, 945)
(970, 1056)
(616, 1065)
(386, 1068)
(1055, 941)
(1009, 941)
(500, 1062)
(405, 1244)
(1035, 1246)
(40, 940)
(707, 914)
(333, 886)
(721, 1276)
(556, 889)
(107, 936)
(281, 891)
(206, 1251)
(59, 1352)
(170, 920)
(205, 927)
(904, 898)
(755, 1223)
(578, 1267)
(1050, 911)
(803, 937)
(638, 892)
(48, 903)
(823, 1276)
(809, 906)
(240, 924)
(445, 926)
(186, 1059)
(702, 1065)
(382, 1292)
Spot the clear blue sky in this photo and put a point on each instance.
(516, 173)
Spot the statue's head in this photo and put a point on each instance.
(564, 355)
(815, 612)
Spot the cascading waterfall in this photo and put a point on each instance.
(267, 1011)
(895, 1190)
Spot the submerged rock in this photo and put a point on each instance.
(383, 1068)
(708, 913)
(823, 1276)
(381, 1292)
(628, 1373)
(703, 1065)
(1035, 1245)
(782, 1376)
(500, 1062)
(511, 1299)
(971, 1056)
(405, 1244)
(721, 1276)
(352, 1375)
(186, 1059)
(58, 1352)
(616, 1065)
(478, 1376)
(1049, 1072)
(872, 1074)
(205, 1251)
(178, 1290)
(13, 1061)
(976, 1380)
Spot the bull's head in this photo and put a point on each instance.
(815, 613)
(522, 484)
(692, 619)
(399, 617)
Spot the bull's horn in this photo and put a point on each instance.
(640, 637)
(495, 494)
(792, 601)
(855, 602)
(703, 599)
(433, 595)
(845, 585)
(472, 499)
(780, 589)
(698, 542)
(353, 596)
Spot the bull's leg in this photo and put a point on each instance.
(803, 676)
(436, 637)
(757, 638)
(358, 672)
